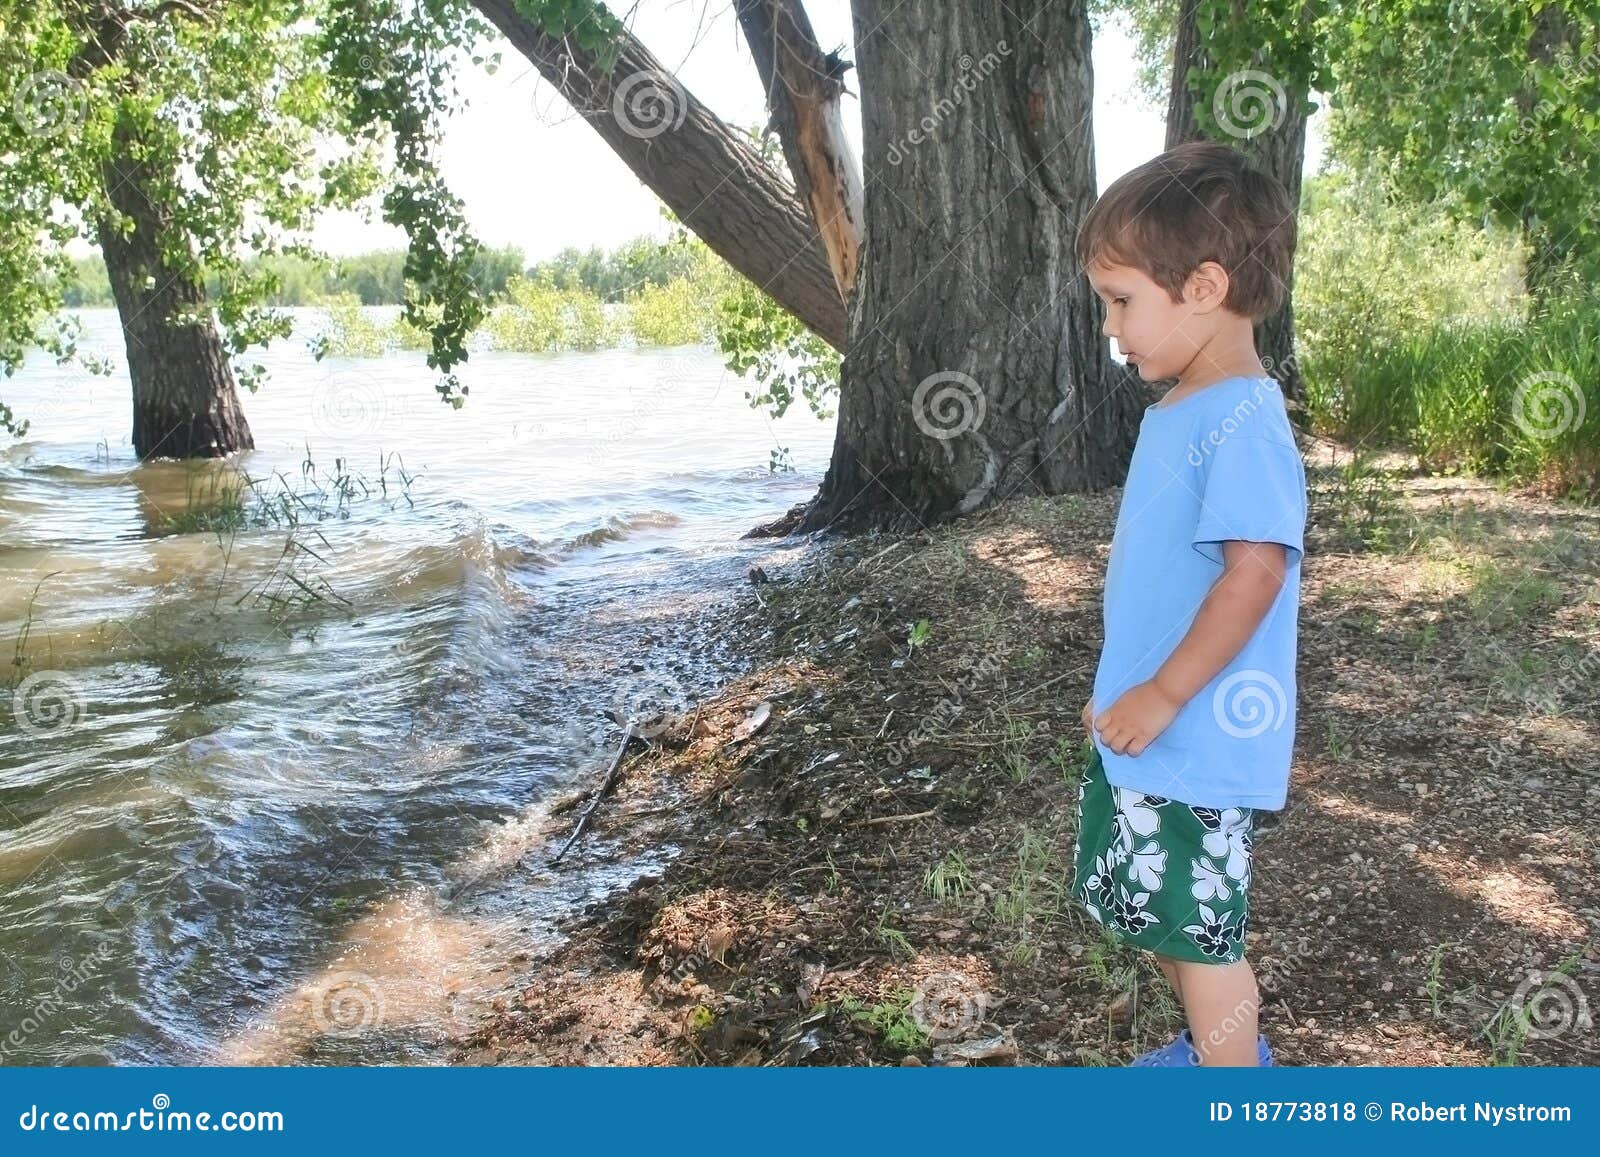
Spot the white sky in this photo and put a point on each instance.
(534, 175)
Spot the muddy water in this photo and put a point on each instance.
(266, 792)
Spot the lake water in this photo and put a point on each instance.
(264, 793)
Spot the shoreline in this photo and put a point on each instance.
(873, 825)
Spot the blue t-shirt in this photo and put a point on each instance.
(1219, 464)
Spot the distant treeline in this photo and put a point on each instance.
(377, 278)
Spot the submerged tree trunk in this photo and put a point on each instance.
(185, 403)
(707, 174)
(1279, 150)
(976, 369)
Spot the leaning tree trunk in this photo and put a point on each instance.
(1279, 150)
(185, 403)
(976, 369)
(707, 174)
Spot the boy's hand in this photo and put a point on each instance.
(1088, 718)
(1140, 714)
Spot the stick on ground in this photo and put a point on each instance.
(604, 789)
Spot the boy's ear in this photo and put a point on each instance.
(1208, 286)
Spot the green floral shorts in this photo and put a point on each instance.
(1162, 874)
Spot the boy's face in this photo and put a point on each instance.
(1157, 335)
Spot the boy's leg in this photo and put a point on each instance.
(1221, 1001)
(1169, 969)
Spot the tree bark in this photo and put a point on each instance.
(707, 174)
(185, 402)
(1553, 32)
(804, 86)
(976, 369)
(1280, 151)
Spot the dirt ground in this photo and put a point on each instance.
(876, 822)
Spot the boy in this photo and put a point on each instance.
(1192, 713)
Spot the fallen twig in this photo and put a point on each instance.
(604, 789)
(905, 819)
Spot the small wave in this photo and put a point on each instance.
(472, 555)
(615, 529)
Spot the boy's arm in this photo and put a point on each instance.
(1252, 574)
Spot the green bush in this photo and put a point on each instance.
(1373, 277)
(684, 309)
(350, 331)
(538, 317)
(1414, 331)
(673, 314)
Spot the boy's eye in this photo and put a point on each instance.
(1119, 301)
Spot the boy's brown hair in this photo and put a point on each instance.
(1201, 201)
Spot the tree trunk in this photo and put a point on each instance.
(185, 403)
(976, 369)
(707, 174)
(1280, 151)
(1553, 32)
(804, 87)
